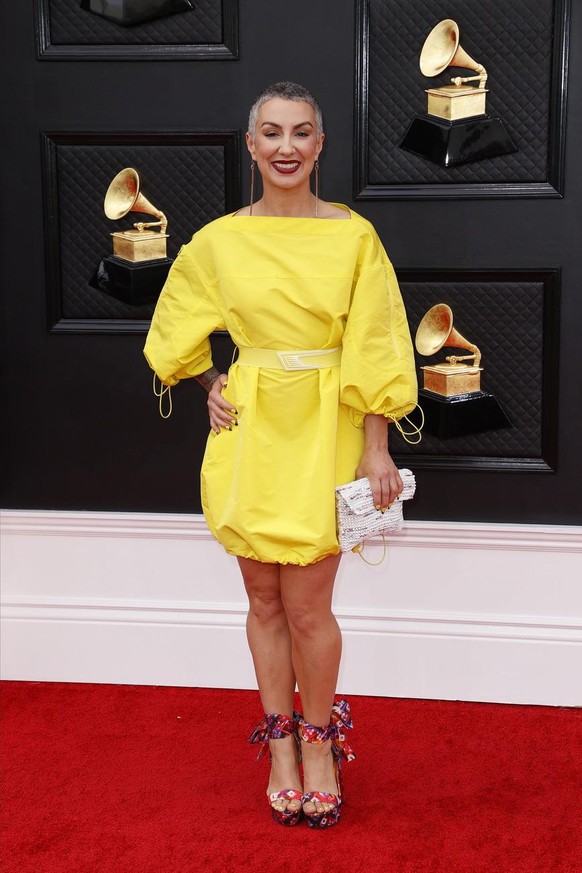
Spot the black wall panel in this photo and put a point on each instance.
(80, 426)
(524, 47)
(195, 176)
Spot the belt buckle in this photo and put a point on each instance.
(292, 361)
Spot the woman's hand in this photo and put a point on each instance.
(377, 464)
(383, 475)
(220, 411)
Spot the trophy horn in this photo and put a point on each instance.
(123, 196)
(441, 49)
(436, 330)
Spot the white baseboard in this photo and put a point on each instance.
(456, 611)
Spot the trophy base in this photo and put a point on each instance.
(138, 246)
(450, 380)
(135, 284)
(453, 103)
(453, 143)
(447, 417)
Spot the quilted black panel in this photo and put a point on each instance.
(505, 319)
(187, 182)
(71, 25)
(514, 42)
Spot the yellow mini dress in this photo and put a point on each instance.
(296, 284)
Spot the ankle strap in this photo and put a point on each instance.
(311, 733)
(272, 727)
(340, 721)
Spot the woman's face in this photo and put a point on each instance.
(286, 143)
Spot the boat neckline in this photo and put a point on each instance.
(299, 217)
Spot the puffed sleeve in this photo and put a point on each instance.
(177, 344)
(378, 373)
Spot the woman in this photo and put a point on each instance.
(308, 295)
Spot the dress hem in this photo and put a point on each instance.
(254, 557)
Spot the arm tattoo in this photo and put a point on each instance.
(208, 378)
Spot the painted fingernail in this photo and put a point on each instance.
(233, 411)
(389, 506)
(383, 510)
(378, 506)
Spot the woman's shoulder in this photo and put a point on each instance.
(340, 210)
(215, 226)
(363, 231)
(206, 234)
(202, 246)
(359, 220)
(327, 209)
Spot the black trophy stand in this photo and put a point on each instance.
(462, 414)
(133, 283)
(453, 143)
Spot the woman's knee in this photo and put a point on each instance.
(265, 606)
(263, 589)
(307, 620)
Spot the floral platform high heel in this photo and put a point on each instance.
(335, 731)
(275, 727)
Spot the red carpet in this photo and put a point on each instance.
(113, 779)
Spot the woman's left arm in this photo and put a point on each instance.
(377, 464)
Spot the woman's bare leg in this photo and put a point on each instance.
(306, 593)
(270, 644)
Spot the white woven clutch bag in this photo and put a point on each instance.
(357, 517)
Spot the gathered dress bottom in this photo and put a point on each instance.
(268, 485)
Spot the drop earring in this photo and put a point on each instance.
(316, 166)
(252, 187)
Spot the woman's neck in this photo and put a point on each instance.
(286, 204)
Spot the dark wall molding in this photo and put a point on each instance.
(409, 177)
(518, 314)
(77, 168)
(87, 37)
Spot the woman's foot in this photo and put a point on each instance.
(319, 778)
(277, 732)
(323, 749)
(284, 789)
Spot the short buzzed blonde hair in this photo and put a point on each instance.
(285, 91)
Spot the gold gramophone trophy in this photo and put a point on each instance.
(456, 128)
(139, 266)
(140, 243)
(451, 397)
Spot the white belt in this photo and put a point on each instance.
(302, 359)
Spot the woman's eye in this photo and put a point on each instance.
(302, 133)
(271, 133)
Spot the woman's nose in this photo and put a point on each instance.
(286, 146)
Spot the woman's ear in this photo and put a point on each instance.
(320, 140)
(250, 145)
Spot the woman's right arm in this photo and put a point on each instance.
(220, 411)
